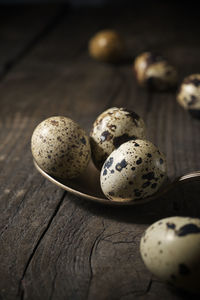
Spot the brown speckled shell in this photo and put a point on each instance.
(106, 45)
(189, 94)
(134, 171)
(153, 71)
(112, 128)
(60, 147)
(170, 249)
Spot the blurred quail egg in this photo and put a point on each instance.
(106, 45)
(134, 171)
(189, 94)
(153, 71)
(60, 147)
(170, 249)
(112, 128)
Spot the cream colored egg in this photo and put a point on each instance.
(112, 128)
(170, 249)
(61, 147)
(134, 171)
(153, 71)
(189, 94)
(107, 46)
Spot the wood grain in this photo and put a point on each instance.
(53, 244)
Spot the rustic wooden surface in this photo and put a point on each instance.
(53, 244)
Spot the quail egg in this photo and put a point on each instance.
(106, 45)
(112, 128)
(153, 71)
(189, 94)
(61, 147)
(133, 172)
(170, 249)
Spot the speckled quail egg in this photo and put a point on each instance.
(189, 94)
(153, 71)
(61, 147)
(170, 249)
(112, 128)
(107, 46)
(134, 171)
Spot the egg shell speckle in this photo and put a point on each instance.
(134, 171)
(106, 45)
(112, 128)
(189, 94)
(61, 147)
(153, 71)
(170, 249)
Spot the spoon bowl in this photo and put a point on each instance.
(88, 186)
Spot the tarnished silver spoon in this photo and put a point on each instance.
(88, 186)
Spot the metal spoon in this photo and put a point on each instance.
(88, 186)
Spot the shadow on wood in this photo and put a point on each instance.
(181, 201)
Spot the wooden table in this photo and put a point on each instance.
(54, 245)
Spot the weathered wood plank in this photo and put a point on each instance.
(68, 248)
(20, 31)
(22, 107)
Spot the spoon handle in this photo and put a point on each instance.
(189, 176)
(193, 176)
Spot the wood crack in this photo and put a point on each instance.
(132, 241)
(21, 287)
(149, 286)
(139, 293)
(10, 64)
